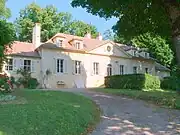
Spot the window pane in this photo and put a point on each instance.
(62, 66)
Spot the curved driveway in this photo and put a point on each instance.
(123, 116)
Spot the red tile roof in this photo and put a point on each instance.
(89, 44)
(22, 49)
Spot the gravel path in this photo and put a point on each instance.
(123, 116)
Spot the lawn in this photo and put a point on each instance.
(48, 113)
(160, 97)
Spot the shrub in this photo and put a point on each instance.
(26, 80)
(132, 81)
(4, 84)
(171, 83)
(32, 83)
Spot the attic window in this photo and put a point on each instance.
(59, 42)
(77, 45)
(146, 55)
(135, 53)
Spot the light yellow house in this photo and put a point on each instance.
(76, 61)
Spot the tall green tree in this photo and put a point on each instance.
(51, 21)
(7, 33)
(108, 35)
(158, 47)
(136, 17)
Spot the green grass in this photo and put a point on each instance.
(160, 97)
(48, 113)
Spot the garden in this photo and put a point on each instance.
(145, 87)
(32, 111)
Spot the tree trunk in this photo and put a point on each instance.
(173, 10)
(176, 43)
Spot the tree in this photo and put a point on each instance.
(52, 22)
(108, 35)
(7, 33)
(136, 17)
(158, 47)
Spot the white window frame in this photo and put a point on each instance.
(59, 42)
(77, 67)
(109, 70)
(135, 71)
(147, 70)
(95, 68)
(60, 67)
(78, 45)
(121, 69)
(27, 66)
(8, 66)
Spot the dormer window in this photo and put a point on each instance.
(59, 42)
(146, 55)
(77, 45)
(134, 53)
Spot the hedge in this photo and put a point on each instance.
(132, 81)
(170, 83)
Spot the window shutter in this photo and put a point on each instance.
(32, 66)
(91, 68)
(21, 63)
(73, 67)
(54, 65)
(15, 64)
(65, 66)
(125, 69)
(82, 68)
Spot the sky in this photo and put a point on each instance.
(63, 6)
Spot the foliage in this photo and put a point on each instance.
(137, 17)
(158, 47)
(62, 112)
(32, 83)
(170, 83)
(132, 81)
(52, 22)
(5, 85)
(26, 80)
(108, 35)
(7, 98)
(4, 11)
(7, 33)
(160, 97)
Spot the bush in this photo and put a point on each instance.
(26, 80)
(132, 81)
(170, 83)
(32, 83)
(5, 84)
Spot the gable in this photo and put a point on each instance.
(110, 49)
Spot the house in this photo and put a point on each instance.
(76, 61)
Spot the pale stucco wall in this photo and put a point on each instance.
(87, 77)
(37, 67)
(163, 74)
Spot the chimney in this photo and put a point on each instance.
(88, 35)
(100, 37)
(36, 39)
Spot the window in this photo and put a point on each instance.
(60, 66)
(135, 70)
(96, 68)
(146, 70)
(27, 65)
(109, 70)
(77, 67)
(121, 69)
(77, 45)
(135, 53)
(9, 65)
(59, 42)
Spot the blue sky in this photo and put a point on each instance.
(63, 6)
